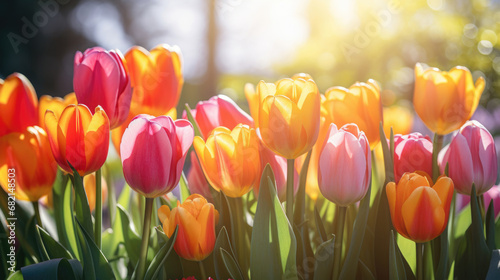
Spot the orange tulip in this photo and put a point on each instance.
(399, 118)
(18, 104)
(418, 211)
(54, 104)
(445, 100)
(360, 104)
(230, 159)
(196, 219)
(78, 137)
(27, 156)
(289, 116)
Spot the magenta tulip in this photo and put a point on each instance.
(153, 151)
(344, 165)
(471, 159)
(100, 78)
(412, 152)
(219, 110)
(278, 165)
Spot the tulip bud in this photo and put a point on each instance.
(100, 79)
(445, 100)
(28, 158)
(412, 152)
(345, 165)
(196, 219)
(420, 212)
(153, 151)
(78, 137)
(472, 159)
(18, 104)
(230, 159)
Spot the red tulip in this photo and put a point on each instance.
(100, 78)
(412, 152)
(153, 151)
(472, 159)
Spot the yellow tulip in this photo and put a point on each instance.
(230, 159)
(360, 104)
(445, 100)
(399, 118)
(54, 104)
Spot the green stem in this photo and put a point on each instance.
(420, 260)
(239, 231)
(437, 144)
(141, 268)
(338, 241)
(37, 213)
(202, 270)
(98, 208)
(289, 189)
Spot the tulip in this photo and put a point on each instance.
(472, 159)
(219, 111)
(412, 152)
(153, 151)
(360, 104)
(78, 137)
(418, 211)
(289, 116)
(54, 104)
(399, 118)
(100, 79)
(230, 159)
(445, 100)
(195, 219)
(34, 167)
(345, 165)
(279, 166)
(156, 78)
(196, 180)
(18, 104)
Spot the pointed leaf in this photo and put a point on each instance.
(396, 268)
(324, 260)
(53, 248)
(319, 225)
(222, 242)
(231, 265)
(490, 227)
(161, 257)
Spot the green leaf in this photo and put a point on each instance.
(161, 257)
(53, 249)
(300, 199)
(52, 270)
(184, 188)
(222, 242)
(351, 261)
(407, 248)
(93, 257)
(490, 227)
(16, 276)
(494, 270)
(396, 268)
(63, 213)
(192, 120)
(319, 225)
(273, 245)
(231, 265)
(324, 260)
(82, 209)
(124, 198)
(132, 241)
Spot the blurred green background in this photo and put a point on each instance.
(226, 43)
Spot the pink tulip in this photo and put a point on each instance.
(412, 152)
(472, 159)
(219, 110)
(278, 165)
(344, 165)
(196, 179)
(153, 151)
(492, 194)
(101, 79)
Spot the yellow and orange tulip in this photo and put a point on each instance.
(230, 159)
(54, 104)
(34, 167)
(288, 115)
(399, 118)
(418, 211)
(196, 219)
(78, 137)
(360, 104)
(445, 100)
(18, 104)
